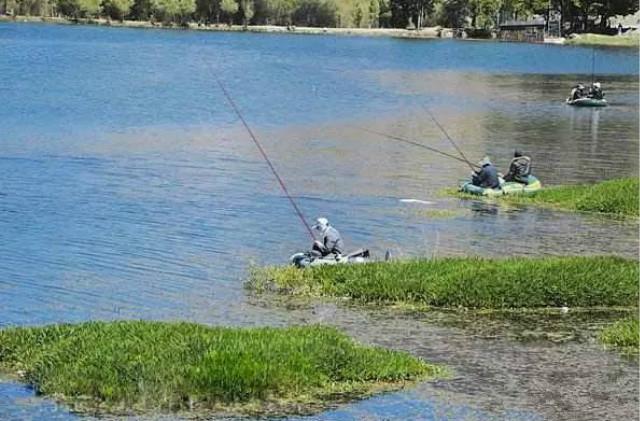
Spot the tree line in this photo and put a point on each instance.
(577, 15)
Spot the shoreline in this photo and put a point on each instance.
(424, 33)
(435, 32)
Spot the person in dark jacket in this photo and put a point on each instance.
(519, 169)
(487, 176)
(578, 92)
(331, 240)
(596, 91)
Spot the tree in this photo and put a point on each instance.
(247, 7)
(79, 8)
(453, 13)
(483, 13)
(316, 13)
(610, 8)
(406, 12)
(374, 13)
(208, 10)
(142, 9)
(230, 7)
(385, 16)
(117, 9)
(277, 12)
(174, 10)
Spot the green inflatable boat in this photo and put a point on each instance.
(587, 102)
(506, 187)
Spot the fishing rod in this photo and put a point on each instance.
(593, 63)
(414, 143)
(449, 137)
(265, 156)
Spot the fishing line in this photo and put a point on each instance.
(263, 153)
(448, 137)
(414, 143)
(593, 63)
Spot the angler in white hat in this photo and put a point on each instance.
(331, 240)
(596, 91)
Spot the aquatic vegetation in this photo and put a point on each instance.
(467, 282)
(623, 334)
(440, 213)
(129, 366)
(632, 40)
(618, 197)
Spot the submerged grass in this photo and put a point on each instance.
(624, 335)
(439, 213)
(467, 282)
(140, 365)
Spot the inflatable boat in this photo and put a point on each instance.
(308, 259)
(506, 187)
(587, 102)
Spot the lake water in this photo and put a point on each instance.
(128, 189)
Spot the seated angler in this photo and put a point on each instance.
(596, 91)
(577, 92)
(519, 169)
(331, 240)
(487, 176)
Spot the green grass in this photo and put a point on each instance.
(467, 282)
(624, 334)
(605, 40)
(137, 366)
(618, 197)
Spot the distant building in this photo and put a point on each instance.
(523, 31)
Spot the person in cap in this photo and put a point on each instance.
(577, 91)
(596, 91)
(331, 240)
(487, 176)
(519, 169)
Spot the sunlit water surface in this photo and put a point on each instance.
(128, 189)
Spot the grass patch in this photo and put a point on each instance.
(467, 282)
(618, 197)
(623, 334)
(133, 366)
(632, 40)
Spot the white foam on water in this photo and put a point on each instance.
(422, 202)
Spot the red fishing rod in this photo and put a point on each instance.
(266, 158)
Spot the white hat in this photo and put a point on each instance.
(596, 84)
(485, 161)
(321, 223)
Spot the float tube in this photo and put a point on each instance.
(506, 187)
(587, 102)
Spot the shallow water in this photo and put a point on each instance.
(129, 190)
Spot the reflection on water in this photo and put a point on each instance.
(130, 191)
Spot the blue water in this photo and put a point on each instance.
(128, 188)
(83, 81)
